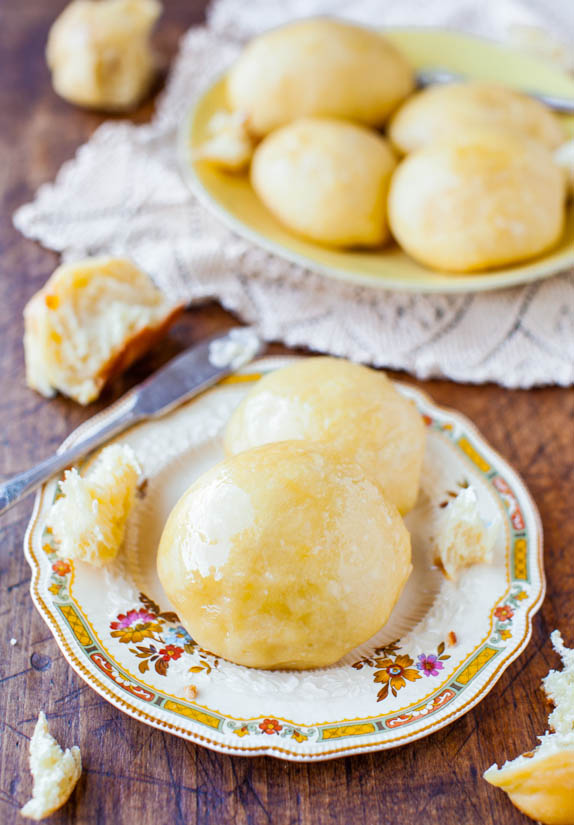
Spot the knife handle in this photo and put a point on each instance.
(15, 488)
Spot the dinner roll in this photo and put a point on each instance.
(327, 180)
(470, 205)
(318, 66)
(284, 557)
(459, 109)
(100, 55)
(354, 409)
(90, 321)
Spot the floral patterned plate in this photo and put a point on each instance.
(443, 649)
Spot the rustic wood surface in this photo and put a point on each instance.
(134, 773)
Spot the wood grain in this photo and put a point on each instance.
(132, 772)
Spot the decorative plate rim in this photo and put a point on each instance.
(139, 709)
(525, 272)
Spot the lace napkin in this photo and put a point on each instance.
(122, 194)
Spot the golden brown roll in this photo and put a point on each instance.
(284, 557)
(318, 66)
(327, 180)
(355, 410)
(460, 109)
(90, 321)
(488, 201)
(100, 55)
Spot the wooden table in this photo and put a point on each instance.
(136, 774)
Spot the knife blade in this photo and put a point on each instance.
(433, 77)
(182, 378)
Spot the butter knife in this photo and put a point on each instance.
(184, 377)
(433, 77)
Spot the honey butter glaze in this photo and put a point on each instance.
(284, 556)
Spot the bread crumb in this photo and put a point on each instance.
(190, 692)
(229, 146)
(464, 538)
(88, 520)
(54, 772)
(451, 638)
(559, 688)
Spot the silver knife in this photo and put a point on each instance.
(182, 378)
(432, 77)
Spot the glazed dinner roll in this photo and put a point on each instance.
(355, 410)
(327, 180)
(284, 557)
(458, 109)
(489, 201)
(318, 66)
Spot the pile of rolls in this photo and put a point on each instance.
(347, 154)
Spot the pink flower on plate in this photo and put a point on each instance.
(429, 665)
(132, 617)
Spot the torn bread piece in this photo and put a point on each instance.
(541, 782)
(464, 538)
(88, 520)
(55, 772)
(559, 688)
(89, 322)
(100, 54)
(229, 145)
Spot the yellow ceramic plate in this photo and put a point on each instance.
(232, 199)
